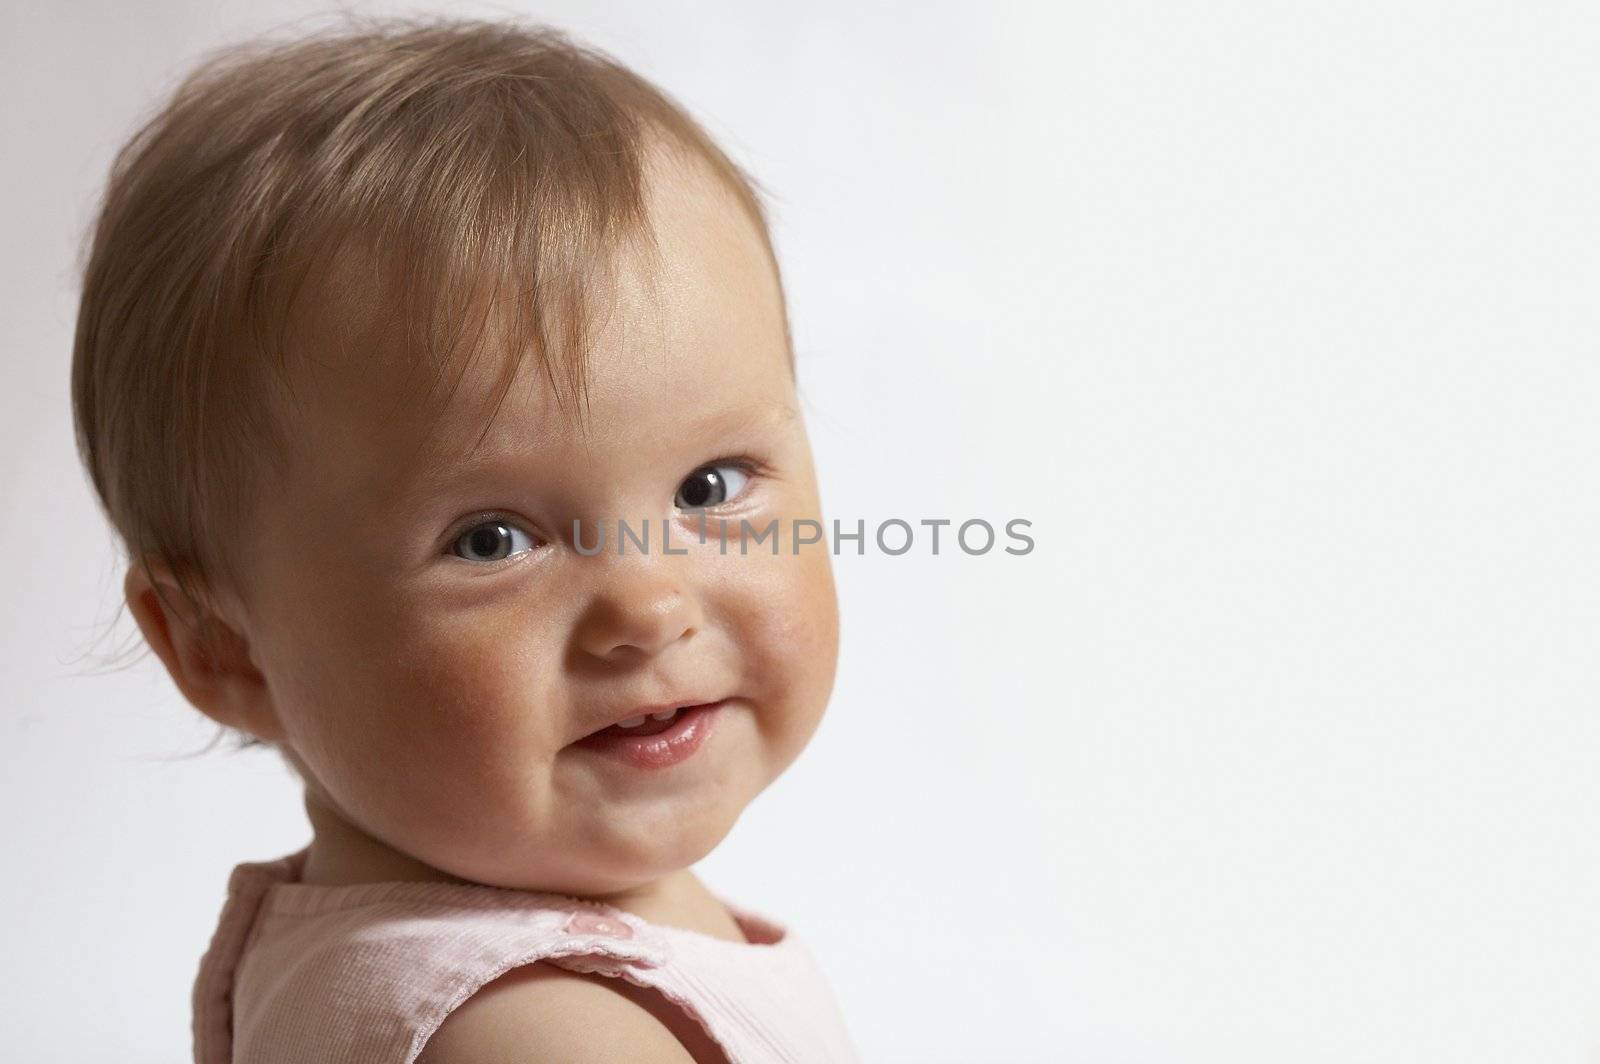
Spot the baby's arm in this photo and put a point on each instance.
(540, 1012)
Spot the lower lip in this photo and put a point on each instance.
(689, 729)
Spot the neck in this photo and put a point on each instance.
(343, 853)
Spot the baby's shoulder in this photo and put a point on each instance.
(545, 1012)
(375, 981)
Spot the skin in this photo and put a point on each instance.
(429, 695)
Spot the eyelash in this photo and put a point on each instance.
(749, 465)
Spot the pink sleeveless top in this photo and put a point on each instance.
(365, 973)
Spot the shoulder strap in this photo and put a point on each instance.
(371, 982)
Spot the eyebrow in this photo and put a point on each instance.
(439, 471)
(773, 410)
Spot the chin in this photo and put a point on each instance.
(639, 853)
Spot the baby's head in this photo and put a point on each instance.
(370, 322)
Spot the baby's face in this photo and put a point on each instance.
(433, 645)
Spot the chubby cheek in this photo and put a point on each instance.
(786, 616)
(473, 696)
(430, 726)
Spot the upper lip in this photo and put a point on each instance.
(659, 707)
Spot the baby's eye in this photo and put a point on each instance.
(709, 485)
(489, 538)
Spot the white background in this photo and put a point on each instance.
(1279, 323)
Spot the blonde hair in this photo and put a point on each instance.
(415, 158)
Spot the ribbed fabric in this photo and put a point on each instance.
(298, 973)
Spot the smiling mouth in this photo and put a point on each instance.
(646, 724)
(656, 745)
(652, 724)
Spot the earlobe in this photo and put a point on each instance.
(207, 658)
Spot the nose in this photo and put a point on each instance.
(640, 611)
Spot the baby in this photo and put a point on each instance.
(437, 376)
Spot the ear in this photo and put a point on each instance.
(207, 657)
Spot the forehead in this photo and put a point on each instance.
(693, 336)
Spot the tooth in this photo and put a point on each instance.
(631, 722)
(665, 714)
